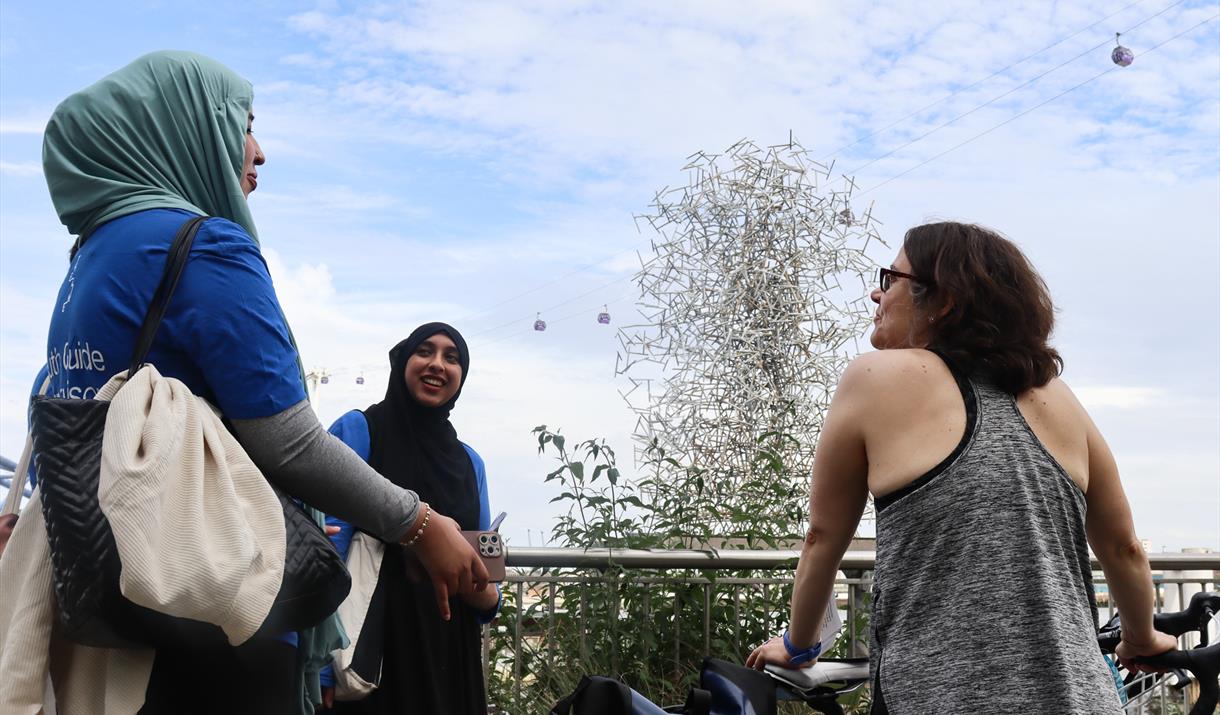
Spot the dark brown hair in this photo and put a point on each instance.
(990, 311)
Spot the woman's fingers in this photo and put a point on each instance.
(1130, 653)
(442, 597)
(478, 572)
(773, 651)
(449, 560)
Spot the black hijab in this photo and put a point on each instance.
(425, 664)
(416, 447)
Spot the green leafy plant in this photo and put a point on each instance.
(651, 628)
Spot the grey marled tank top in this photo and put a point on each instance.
(983, 598)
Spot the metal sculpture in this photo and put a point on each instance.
(752, 301)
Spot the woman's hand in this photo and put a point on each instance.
(773, 652)
(482, 601)
(451, 562)
(1128, 651)
(8, 522)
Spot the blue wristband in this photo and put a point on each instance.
(798, 656)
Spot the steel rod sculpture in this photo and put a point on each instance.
(751, 304)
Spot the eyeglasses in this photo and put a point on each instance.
(885, 278)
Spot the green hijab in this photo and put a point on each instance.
(166, 131)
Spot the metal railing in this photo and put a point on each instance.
(524, 558)
(6, 475)
(697, 602)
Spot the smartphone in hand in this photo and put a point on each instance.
(490, 547)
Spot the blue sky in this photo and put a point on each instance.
(478, 162)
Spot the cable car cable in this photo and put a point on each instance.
(997, 98)
(998, 72)
(1027, 111)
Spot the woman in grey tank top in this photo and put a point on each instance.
(990, 483)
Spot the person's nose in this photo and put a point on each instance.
(259, 157)
(875, 296)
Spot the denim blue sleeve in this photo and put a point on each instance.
(480, 476)
(353, 430)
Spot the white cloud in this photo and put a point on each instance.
(334, 202)
(304, 59)
(564, 79)
(23, 125)
(339, 329)
(23, 169)
(478, 162)
(1097, 397)
(515, 384)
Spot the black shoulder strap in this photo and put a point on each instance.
(730, 682)
(174, 263)
(698, 702)
(596, 695)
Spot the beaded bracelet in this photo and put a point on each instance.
(427, 515)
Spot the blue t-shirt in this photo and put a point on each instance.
(353, 430)
(223, 334)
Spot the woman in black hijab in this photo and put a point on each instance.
(428, 664)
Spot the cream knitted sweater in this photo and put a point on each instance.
(199, 532)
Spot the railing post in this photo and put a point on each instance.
(486, 632)
(851, 613)
(677, 632)
(646, 594)
(858, 647)
(550, 597)
(583, 623)
(613, 625)
(520, 594)
(737, 620)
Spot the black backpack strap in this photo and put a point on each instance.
(698, 702)
(732, 683)
(179, 250)
(596, 695)
(564, 706)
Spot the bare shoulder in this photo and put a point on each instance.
(1063, 426)
(1055, 400)
(883, 369)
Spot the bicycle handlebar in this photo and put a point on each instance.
(1203, 607)
(1203, 661)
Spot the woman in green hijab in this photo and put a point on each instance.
(128, 160)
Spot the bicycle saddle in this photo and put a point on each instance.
(832, 674)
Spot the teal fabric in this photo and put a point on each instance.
(314, 648)
(166, 131)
